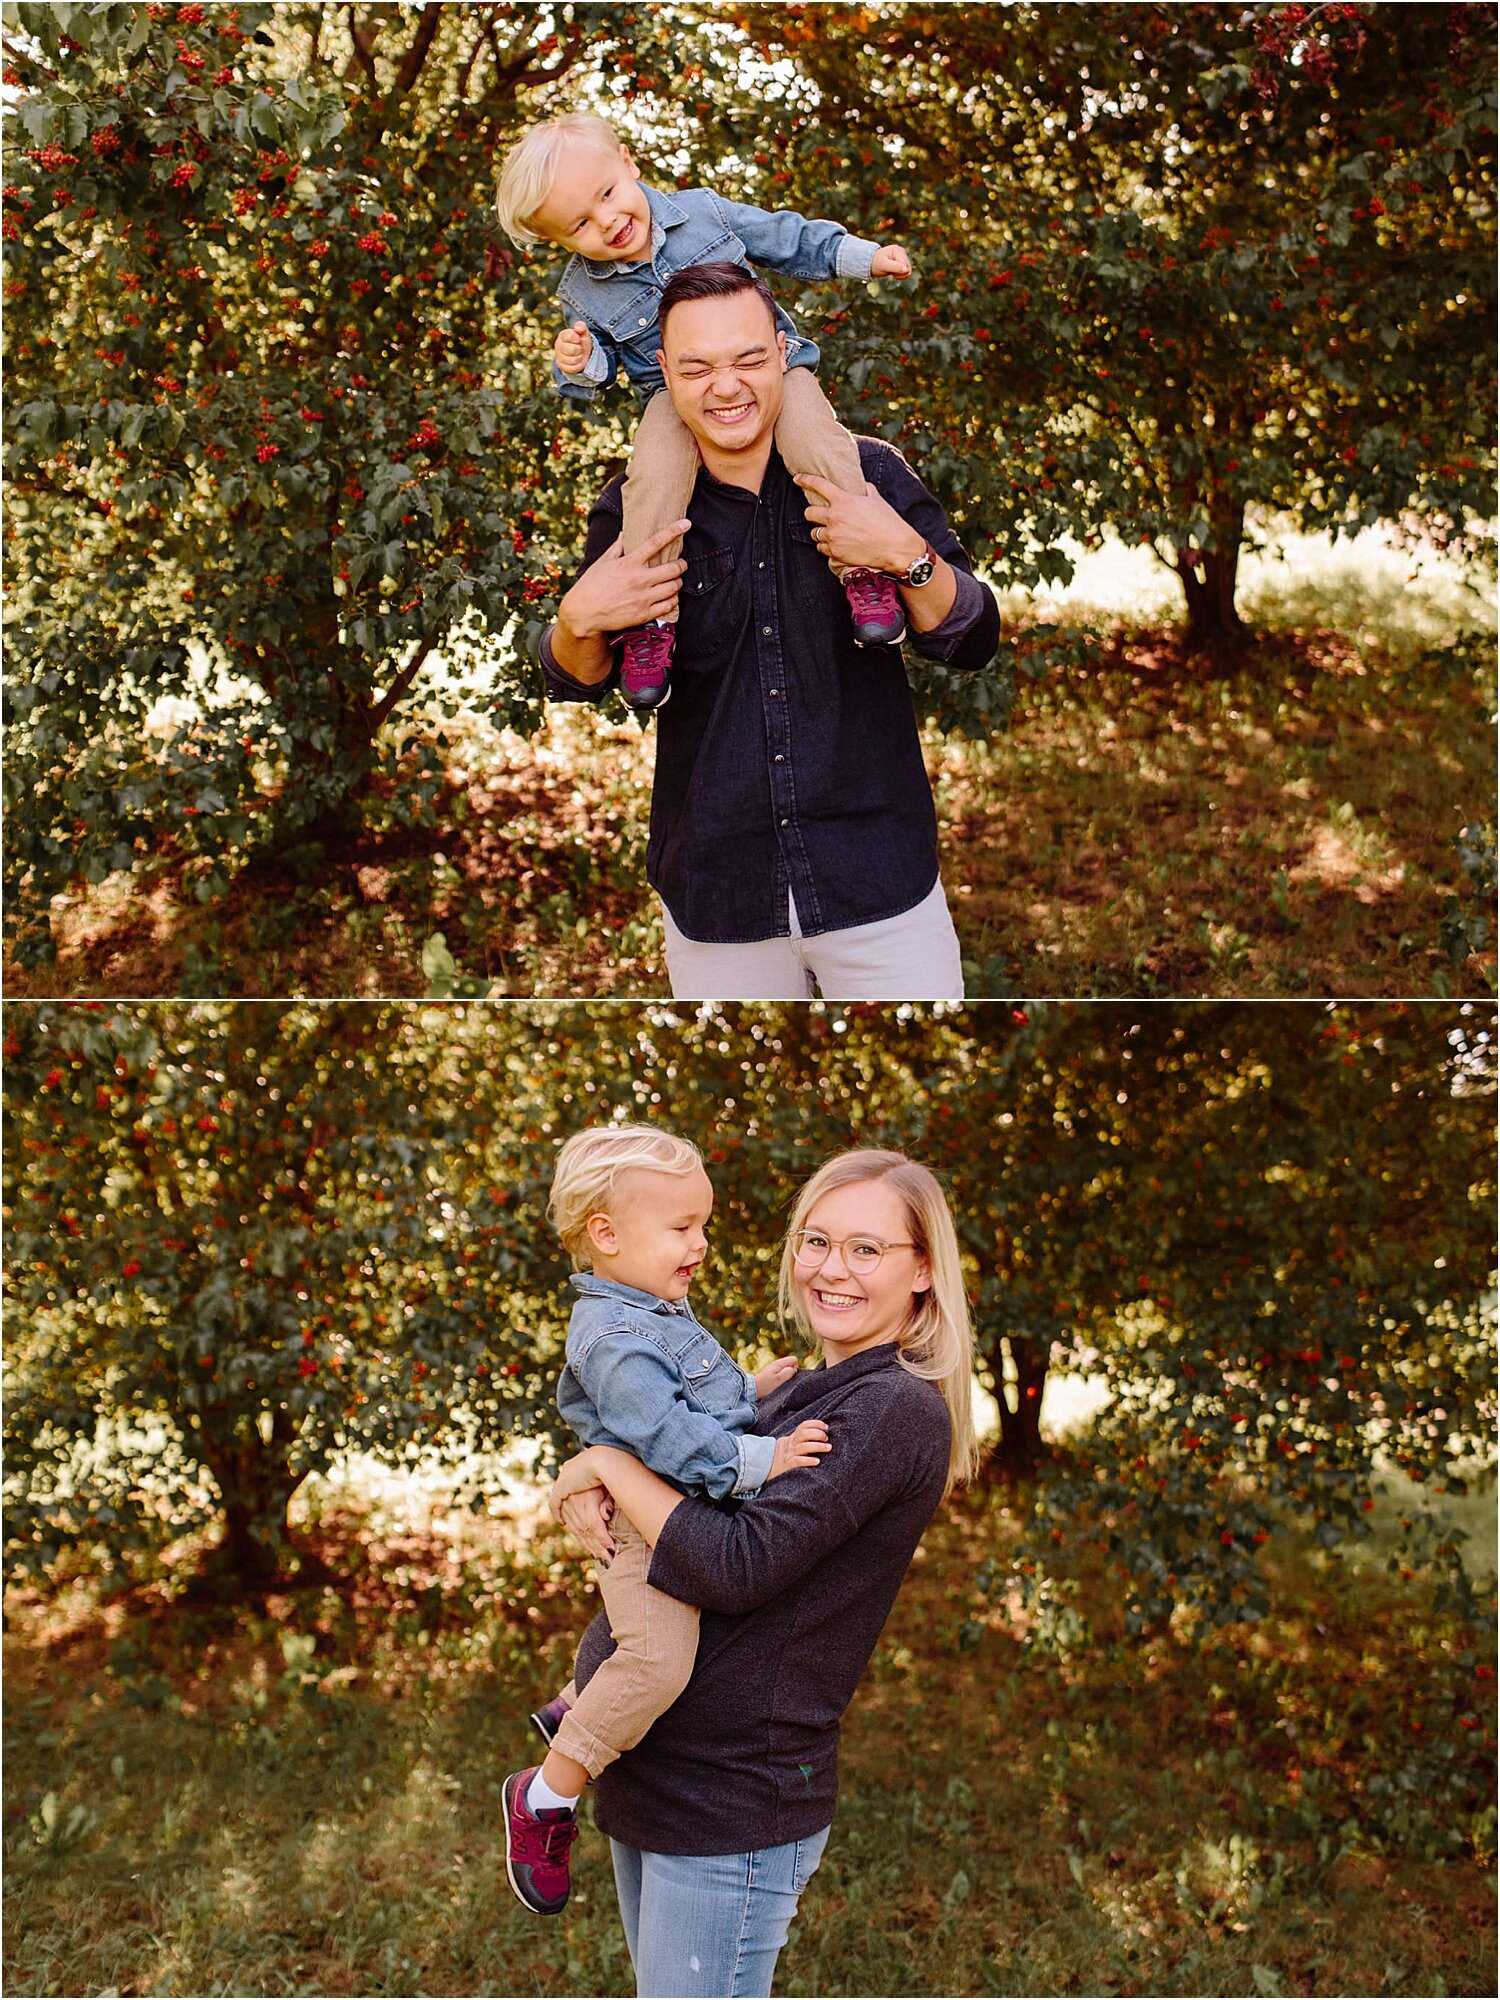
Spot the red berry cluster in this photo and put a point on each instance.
(52, 159)
(424, 436)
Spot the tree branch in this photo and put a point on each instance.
(402, 681)
(364, 50)
(416, 55)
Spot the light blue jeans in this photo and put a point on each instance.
(710, 1927)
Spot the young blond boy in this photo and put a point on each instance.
(571, 183)
(632, 1204)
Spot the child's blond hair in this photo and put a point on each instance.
(530, 168)
(589, 1167)
(937, 1342)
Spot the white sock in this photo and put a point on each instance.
(540, 1796)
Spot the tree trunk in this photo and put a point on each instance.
(1019, 1449)
(1208, 582)
(256, 1485)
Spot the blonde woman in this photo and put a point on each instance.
(719, 1816)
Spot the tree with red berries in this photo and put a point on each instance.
(246, 1239)
(1181, 266)
(280, 421)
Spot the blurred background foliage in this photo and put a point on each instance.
(280, 430)
(250, 1240)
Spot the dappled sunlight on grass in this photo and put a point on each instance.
(1140, 828)
(1146, 1822)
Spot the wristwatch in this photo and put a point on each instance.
(921, 570)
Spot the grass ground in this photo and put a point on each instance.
(1138, 830)
(303, 1798)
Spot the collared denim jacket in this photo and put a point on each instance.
(620, 303)
(642, 1374)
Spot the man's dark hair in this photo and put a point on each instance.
(712, 281)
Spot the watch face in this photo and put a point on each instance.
(920, 571)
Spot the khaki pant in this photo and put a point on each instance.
(656, 1643)
(664, 458)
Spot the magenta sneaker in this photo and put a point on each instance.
(646, 671)
(548, 1719)
(878, 617)
(536, 1848)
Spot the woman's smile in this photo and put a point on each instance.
(849, 1313)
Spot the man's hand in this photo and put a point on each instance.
(804, 1447)
(572, 348)
(782, 1369)
(890, 261)
(620, 591)
(588, 1518)
(859, 531)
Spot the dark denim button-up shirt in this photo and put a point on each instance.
(787, 758)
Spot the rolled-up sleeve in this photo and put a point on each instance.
(602, 533)
(970, 635)
(559, 685)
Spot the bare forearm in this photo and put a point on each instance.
(929, 604)
(584, 656)
(635, 1489)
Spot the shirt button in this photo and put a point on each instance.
(786, 822)
(779, 758)
(775, 692)
(643, 322)
(760, 565)
(767, 630)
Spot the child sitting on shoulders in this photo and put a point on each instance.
(570, 182)
(632, 1203)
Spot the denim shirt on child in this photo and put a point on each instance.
(620, 303)
(643, 1375)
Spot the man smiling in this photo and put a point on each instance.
(793, 837)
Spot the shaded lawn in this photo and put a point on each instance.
(304, 1798)
(1136, 831)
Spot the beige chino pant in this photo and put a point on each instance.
(656, 1643)
(664, 458)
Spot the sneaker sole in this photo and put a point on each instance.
(521, 1897)
(897, 640)
(645, 707)
(543, 1727)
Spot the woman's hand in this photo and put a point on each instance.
(578, 1475)
(588, 1518)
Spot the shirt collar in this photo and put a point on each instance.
(595, 1287)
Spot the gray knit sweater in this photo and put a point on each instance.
(795, 1586)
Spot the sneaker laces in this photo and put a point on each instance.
(869, 592)
(648, 657)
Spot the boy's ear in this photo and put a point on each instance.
(635, 172)
(602, 1234)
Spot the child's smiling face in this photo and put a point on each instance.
(652, 1237)
(596, 206)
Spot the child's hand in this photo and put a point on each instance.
(805, 1446)
(782, 1369)
(890, 261)
(572, 348)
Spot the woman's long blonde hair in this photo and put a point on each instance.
(937, 1342)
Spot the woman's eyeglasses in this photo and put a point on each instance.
(810, 1247)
